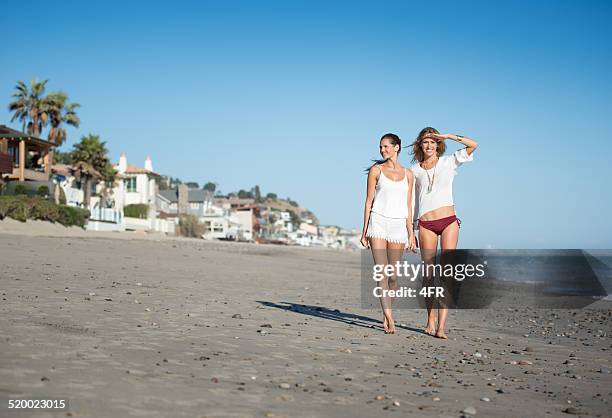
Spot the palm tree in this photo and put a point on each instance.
(30, 106)
(60, 112)
(110, 178)
(85, 173)
(91, 161)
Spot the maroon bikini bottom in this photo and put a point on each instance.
(439, 225)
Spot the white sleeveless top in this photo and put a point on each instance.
(441, 193)
(391, 198)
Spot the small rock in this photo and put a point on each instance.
(470, 410)
(284, 386)
(572, 411)
(485, 399)
(237, 316)
(44, 379)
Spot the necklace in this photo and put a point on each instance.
(432, 178)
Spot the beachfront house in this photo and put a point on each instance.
(197, 202)
(223, 218)
(28, 156)
(306, 235)
(136, 186)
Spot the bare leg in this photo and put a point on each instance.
(394, 254)
(428, 241)
(448, 241)
(379, 253)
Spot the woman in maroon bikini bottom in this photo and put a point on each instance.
(434, 173)
(439, 225)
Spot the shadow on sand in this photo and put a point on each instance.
(335, 315)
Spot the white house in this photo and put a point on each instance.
(245, 217)
(136, 185)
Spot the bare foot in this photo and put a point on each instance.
(441, 334)
(389, 325)
(430, 330)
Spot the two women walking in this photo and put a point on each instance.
(388, 227)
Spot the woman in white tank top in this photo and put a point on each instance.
(434, 206)
(387, 224)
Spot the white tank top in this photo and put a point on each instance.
(391, 198)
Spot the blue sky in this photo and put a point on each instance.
(294, 96)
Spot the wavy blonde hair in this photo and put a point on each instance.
(417, 150)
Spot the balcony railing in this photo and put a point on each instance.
(29, 174)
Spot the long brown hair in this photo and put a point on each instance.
(417, 151)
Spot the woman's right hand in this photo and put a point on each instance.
(364, 241)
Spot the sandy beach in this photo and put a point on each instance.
(186, 328)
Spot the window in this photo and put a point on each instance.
(14, 154)
(130, 184)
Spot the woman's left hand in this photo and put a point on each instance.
(411, 243)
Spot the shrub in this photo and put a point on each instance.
(22, 208)
(14, 207)
(189, 226)
(43, 191)
(70, 215)
(45, 210)
(139, 210)
(20, 189)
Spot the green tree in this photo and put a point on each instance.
(192, 185)
(90, 160)
(256, 193)
(62, 157)
(61, 113)
(272, 196)
(30, 106)
(109, 177)
(211, 187)
(243, 194)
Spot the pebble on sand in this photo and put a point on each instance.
(470, 410)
